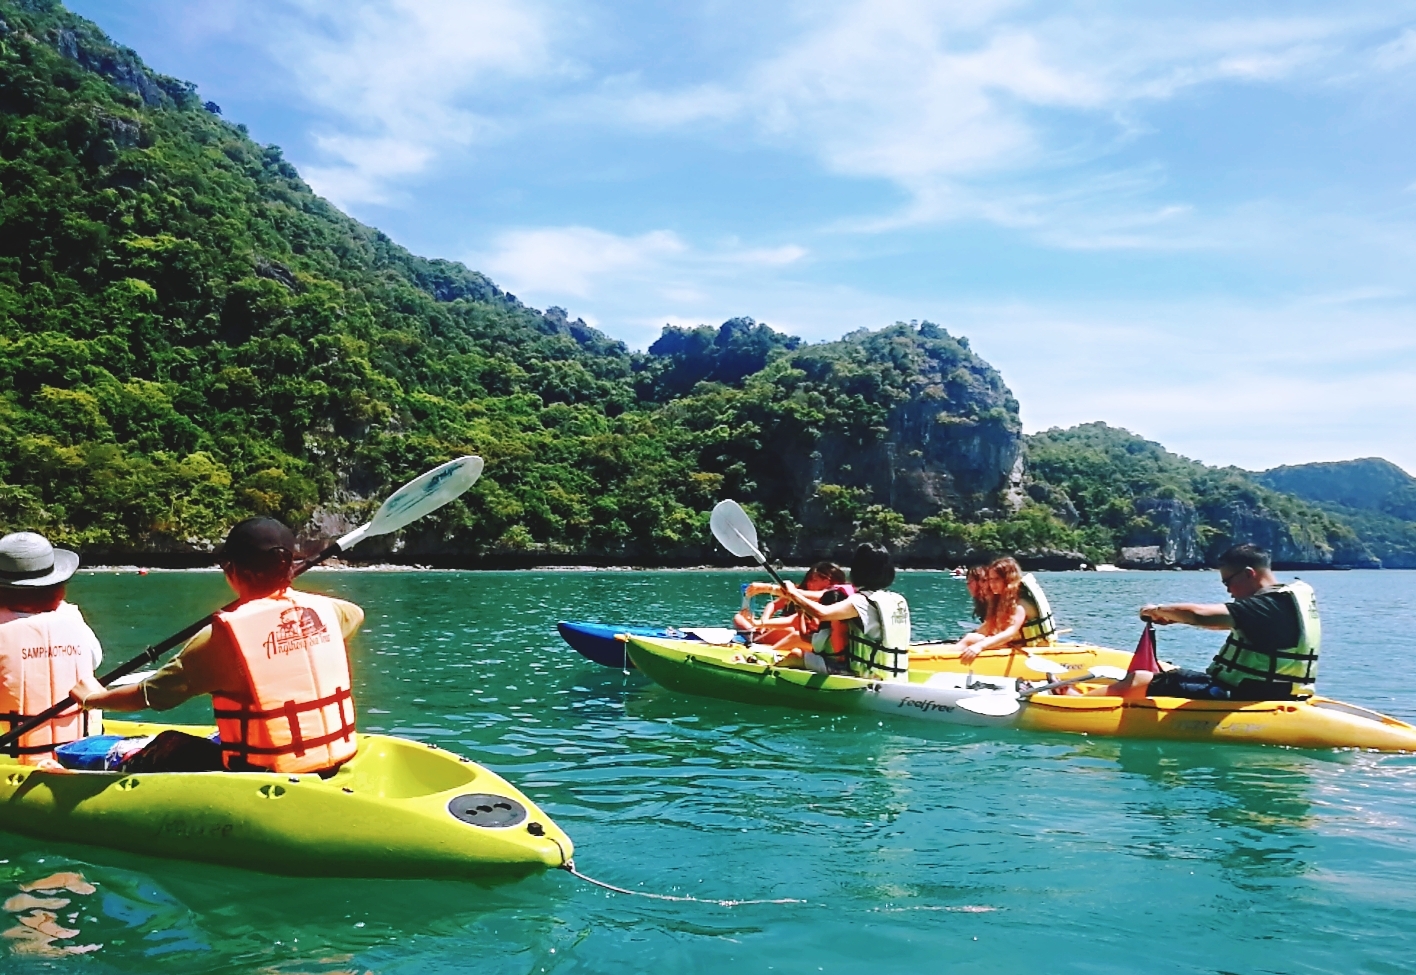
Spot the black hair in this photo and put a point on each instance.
(1246, 556)
(871, 568)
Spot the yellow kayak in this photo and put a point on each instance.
(398, 808)
(1074, 658)
(946, 691)
(1316, 722)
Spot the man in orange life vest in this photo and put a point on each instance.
(275, 666)
(45, 645)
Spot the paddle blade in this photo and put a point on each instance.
(1144, 657)
(1044, 666)
(1107, 673)
(991, 705)
(735, 531)
(128, 679)
(420, 496)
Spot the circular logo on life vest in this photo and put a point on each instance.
(483, 809)
(299, 628)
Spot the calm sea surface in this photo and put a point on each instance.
(916, 850)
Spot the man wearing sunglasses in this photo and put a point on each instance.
(1274, 634)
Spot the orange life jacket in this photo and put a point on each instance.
(840, 629)
(299, 715)
(42, 656)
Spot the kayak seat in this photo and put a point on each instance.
(395, 768)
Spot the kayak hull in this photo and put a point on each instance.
(711, 672)
(601, 643)
(934, 696)
(1317, 722)
(391, 811)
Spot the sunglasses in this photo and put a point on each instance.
(1225, 580)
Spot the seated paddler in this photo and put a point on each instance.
(1271, 652)
(1015, 612)
(45, 645)
(274, 663)
(877, 644)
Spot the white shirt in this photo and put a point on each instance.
(87, 638)
(870, 620)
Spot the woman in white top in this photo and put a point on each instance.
(880, 632)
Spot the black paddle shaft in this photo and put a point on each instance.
(146, 657)
(772, 572)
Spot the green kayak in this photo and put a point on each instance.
(399, 808)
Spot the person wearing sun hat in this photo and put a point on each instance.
(274, 663)
(45, 645)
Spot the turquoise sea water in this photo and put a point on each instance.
(915, 848)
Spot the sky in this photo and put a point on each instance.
(1193, 220)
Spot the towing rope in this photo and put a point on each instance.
(569, 867)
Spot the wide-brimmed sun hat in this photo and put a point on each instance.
(27, 560)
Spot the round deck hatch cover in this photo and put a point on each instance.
(484, 809)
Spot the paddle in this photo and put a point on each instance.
(423, 494)
(1002, 705)
(735, 531)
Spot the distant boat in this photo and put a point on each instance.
(1108, 567)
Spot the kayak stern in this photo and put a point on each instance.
(399, 808)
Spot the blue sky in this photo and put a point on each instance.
(1186, 219)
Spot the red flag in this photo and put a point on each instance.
(1144, 657)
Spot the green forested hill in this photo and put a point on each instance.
(188, 335)
(1132, 498)
(1374, 496)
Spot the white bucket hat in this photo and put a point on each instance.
(28, 560)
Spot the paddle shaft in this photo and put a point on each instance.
(773, 573)
(146, 657)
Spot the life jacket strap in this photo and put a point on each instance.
(291, 711)
(872, 661)
(15, 749)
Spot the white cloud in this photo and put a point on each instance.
(959, 104)
(1222, 380)
(1397, 53)
(392, 80)
(575, 261)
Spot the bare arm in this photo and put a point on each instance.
(89, 693)
(844, 610)
(1000, 639)
(1209, 616)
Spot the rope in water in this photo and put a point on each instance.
(568, 865)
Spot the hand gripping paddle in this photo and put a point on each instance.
(423, 494)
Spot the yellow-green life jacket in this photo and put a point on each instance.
(1238, 661)
(888, 658)
(1039, 630)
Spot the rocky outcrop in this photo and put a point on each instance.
(949, 442)
(1177, 523)
(1238, 522)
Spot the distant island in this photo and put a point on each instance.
(189, 335)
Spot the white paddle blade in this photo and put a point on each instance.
(1107, 673)
(1044, 666)
(128, 679)
(991, 705)
(424, 494)
(735, 531)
